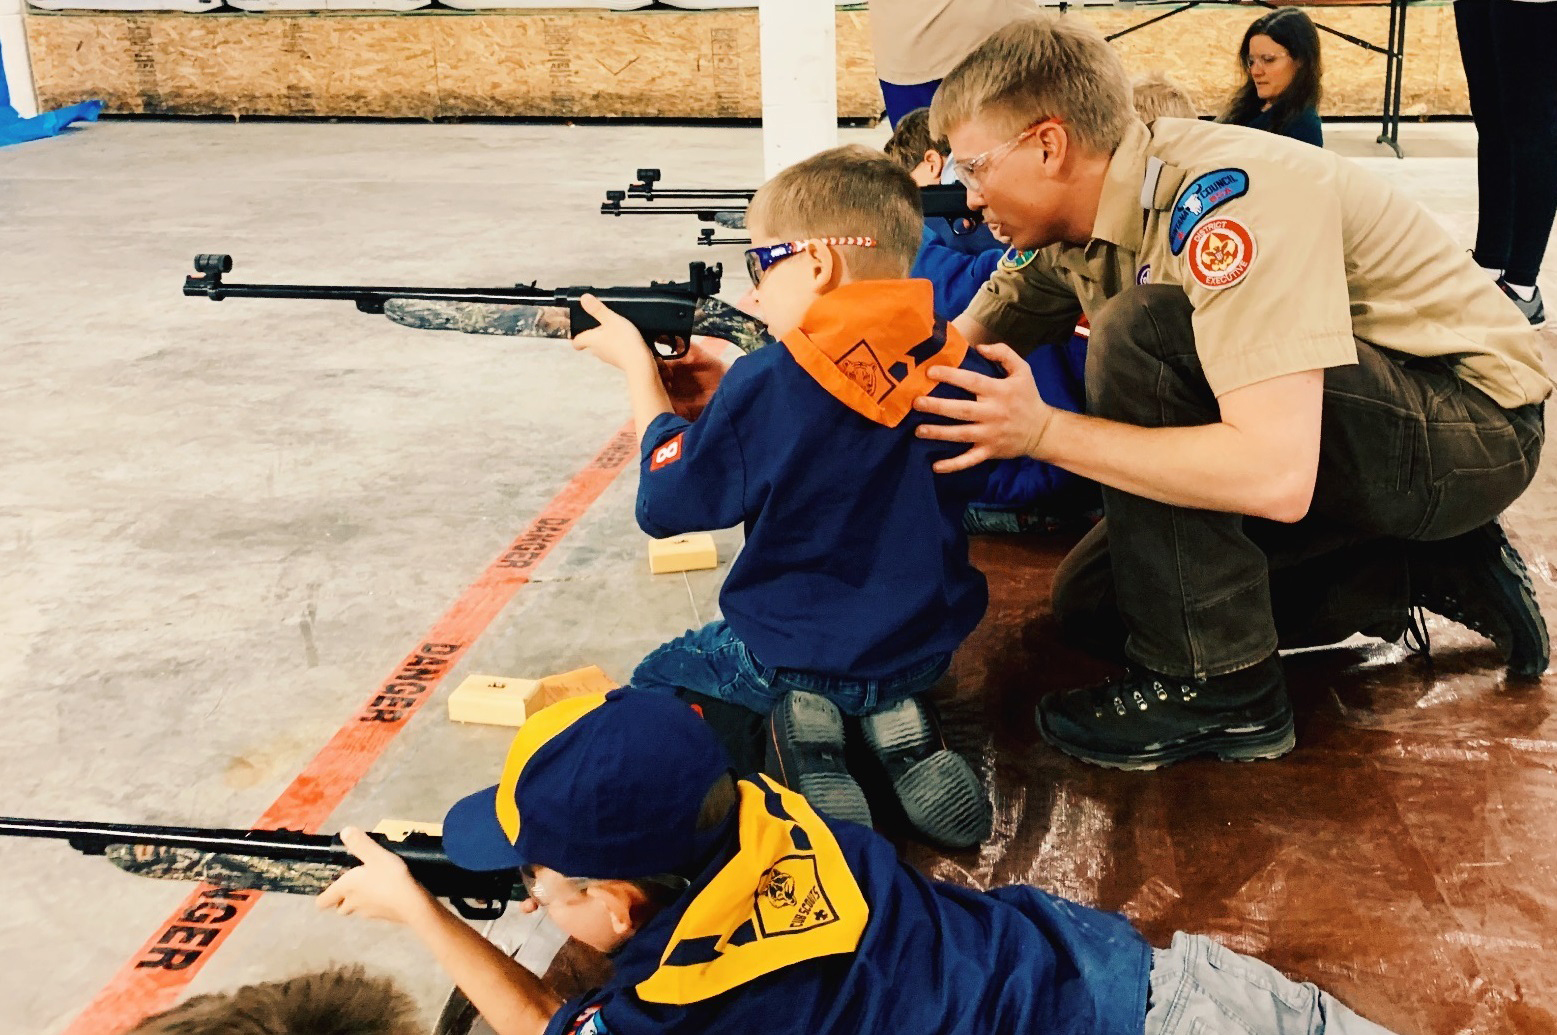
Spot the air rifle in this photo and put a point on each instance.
(667, 314)
(726, 207)
(271, 860)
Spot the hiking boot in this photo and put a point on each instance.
(1144, 720)
(1479, 580)
(805, 754)
(1533, 310)
(940, 792)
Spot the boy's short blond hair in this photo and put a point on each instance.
(848, 191)
(1158, 96)
(1040, 68)
(342, 1001)
(912, 139)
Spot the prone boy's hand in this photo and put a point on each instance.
(616, 341)
(381, 888)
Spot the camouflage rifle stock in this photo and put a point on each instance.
(271, 860)
(667, 314)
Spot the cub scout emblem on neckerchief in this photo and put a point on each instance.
(1220, 253)
(787, 896)
(1015, 260)
(1199, 198)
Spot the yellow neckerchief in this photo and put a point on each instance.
(869, 344)
(787, 896)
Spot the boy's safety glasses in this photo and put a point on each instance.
(760, 260)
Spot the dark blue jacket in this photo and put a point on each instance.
(855, 561)
(1305, 126)
(935, 959)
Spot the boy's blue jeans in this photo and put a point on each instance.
(712, 661)
(1200, 987)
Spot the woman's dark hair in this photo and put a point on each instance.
(1293, 30)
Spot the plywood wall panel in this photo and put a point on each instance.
(594, 63)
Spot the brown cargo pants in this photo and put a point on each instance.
(1408, 451)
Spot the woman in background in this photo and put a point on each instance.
(1280, 92)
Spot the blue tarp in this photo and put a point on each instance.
(14, 129)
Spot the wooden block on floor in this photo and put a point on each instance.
(588, 680)
(493, 700)
(692, 552)
(400, 829)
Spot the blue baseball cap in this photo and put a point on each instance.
(604, 785)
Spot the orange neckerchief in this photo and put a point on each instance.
(869, 344)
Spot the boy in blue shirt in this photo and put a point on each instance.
(735, 906)
(854, 586)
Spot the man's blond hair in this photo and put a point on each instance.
(1159, 96)
(342, 1001)
(848, 191)
(1040, 68)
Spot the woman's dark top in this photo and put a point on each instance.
(1304, 126)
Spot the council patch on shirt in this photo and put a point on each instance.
(1199, 198)
(1220, 253)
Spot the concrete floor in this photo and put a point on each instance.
(223, 526)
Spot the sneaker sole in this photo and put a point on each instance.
(813, 723)
(1232, 747)
(941, 794)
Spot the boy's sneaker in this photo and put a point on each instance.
(940, 792)
(1533, 310)
(1145, 720)
(805, 754)
(1479, 580)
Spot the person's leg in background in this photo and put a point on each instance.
(1494, 170)
(903, 99)
(1522, 37)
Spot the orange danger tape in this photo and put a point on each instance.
(152, 979)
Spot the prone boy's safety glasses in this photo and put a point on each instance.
(760, 260)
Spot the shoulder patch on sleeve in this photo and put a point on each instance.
(1015, 259)
(1220, 253)
(667, 454)
(1203, 194)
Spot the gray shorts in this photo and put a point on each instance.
(1199, 987)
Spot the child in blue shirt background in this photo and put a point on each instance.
(1022, 495)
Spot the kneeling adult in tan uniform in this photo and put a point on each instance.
(1307, 406)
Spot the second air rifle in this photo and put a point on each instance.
(726, 207)
(271, 860)
(667, 314)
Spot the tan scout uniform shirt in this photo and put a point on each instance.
(919, 41)
(1287, 253)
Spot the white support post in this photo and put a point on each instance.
(799, 80)
(13, 52)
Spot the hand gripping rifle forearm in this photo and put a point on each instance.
(271, 860)
(667, 314)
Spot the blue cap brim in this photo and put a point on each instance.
(473, 838)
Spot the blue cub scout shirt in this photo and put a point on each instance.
(934, 959)
(855, 560)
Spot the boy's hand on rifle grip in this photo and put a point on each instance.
(690, 381)
(381, 888)
(616, 341)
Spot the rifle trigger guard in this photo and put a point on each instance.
(480, 908)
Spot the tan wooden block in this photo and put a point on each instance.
(492, 700)
(588, 680)
(400, 829)
(683, 553)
